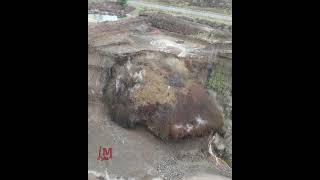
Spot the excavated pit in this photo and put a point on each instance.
(138, 74)
(151, 77)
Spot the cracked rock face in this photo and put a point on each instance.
(158, 91)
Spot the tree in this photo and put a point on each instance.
(123, 2)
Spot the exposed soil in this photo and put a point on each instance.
(139, 154)
(127, 46)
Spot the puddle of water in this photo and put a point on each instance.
(102, 17)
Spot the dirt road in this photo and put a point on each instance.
(181, 10)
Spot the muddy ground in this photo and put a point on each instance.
(137, 153)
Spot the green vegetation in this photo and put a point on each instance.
(94, 1)
(123, 2)
(138, 10)
(150, 10)
(220, 82)
(187, 5)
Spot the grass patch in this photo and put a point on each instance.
(187, 5)
(219, 21)
(154, 91)
(220, 82)
(95, 1)
(138, 10)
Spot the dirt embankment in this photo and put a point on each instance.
(154, 78)
(173, 24)
(111, 8)
(206, 3)
(220, 26)
(148, 73)
(203, 29)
